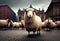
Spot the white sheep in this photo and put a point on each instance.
(32, 22)
(48, 24)
(16, 24)
(58, 24)
(4, 23)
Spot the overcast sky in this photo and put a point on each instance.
(16, 4)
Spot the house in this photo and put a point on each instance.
(53, 10)
(7, 13)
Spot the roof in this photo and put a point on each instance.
(3, 5)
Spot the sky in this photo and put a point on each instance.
(16, 4)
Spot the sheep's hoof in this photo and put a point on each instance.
(37, 33)
(28, 33)
(34, 34)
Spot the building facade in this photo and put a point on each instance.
(39, 12)
(7, 13)
(53, 10)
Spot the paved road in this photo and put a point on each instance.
(21, 35)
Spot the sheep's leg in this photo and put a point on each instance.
(37, 33)
(34, 34)
(28, 33)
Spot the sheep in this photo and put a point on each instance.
(4, 23)
(48, 24)
(32, 22)
(16, 25)
(58, 24)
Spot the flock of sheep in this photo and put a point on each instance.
(9, 24)
(31, 22)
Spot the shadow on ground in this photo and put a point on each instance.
(31, 38)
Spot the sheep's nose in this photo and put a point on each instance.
(48, 23)
(29, 16)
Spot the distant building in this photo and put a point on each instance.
(53, 10)
(7, 13)
(38, 12)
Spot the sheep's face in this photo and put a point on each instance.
(30, 14)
